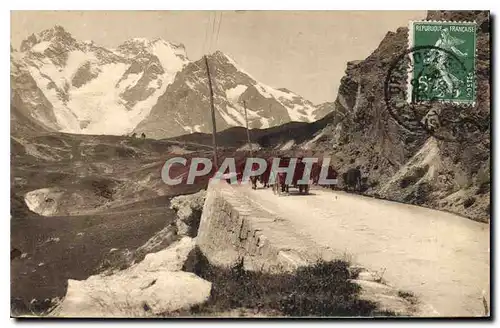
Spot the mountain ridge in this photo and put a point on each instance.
(141, 86)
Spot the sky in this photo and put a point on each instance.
(303, 51)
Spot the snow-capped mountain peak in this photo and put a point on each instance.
(57, 32)
(298, 108)
(56, 36)
(157, 46)
(144, 84)
(184, 108)
(95, 90)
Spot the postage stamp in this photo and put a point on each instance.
(445, 72)
(437, 69)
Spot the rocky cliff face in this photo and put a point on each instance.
(30, 109)
(447, 170)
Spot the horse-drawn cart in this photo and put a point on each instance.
(278, 180)
(298, 173)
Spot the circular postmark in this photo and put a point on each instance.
(422, 93)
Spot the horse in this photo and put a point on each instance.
(275, 184)
(316, 172)
(265, 176)
(352, 179)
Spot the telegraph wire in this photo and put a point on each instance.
(212, 35)
(218, 29)
(204, 49)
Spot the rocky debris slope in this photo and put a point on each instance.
(155, 286)
(412, 166)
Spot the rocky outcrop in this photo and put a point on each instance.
(28, 103)
(188, 209)
(155, 286)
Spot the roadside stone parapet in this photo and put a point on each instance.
(236, 230)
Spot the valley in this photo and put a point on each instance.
(92, 126)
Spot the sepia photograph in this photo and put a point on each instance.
(250, 164)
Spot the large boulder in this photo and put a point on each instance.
(155, 286)
(188, 208)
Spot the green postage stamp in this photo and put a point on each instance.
(444, 62)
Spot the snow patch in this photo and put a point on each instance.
(228, 118)
(130, 81)
(288, 145)
(66, 119)
(234, 94)
(298, 109)
(302, 113)
(311, 142)
(270, 92)
(179, 150)
(98, 102)
(154, 84)
(52, 240)
(264, 122)
(251, 146)
(41, 47)
(239, 117)
(168, 56)
(188, 129)
(172, 64)
(76, 59)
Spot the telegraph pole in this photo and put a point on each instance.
(214, 128)
(248, 131)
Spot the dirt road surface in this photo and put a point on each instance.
(441, 258)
